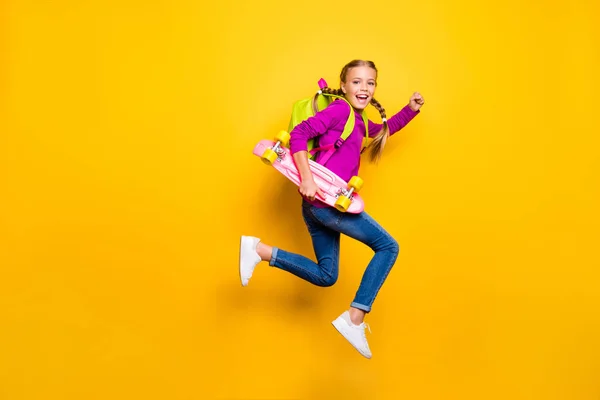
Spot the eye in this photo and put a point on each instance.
(372, 83)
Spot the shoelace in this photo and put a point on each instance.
(364, 335)
(366, 325)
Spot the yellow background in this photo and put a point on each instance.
(127, 178)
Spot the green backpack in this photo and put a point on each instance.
(305, 108)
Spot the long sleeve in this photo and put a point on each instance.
(323, 121)
(396, 122)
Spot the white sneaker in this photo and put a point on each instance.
(355, 334)
(249, 258)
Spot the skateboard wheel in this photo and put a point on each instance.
(342, 203)
(269, 157)
(283, 137)
(356, 183)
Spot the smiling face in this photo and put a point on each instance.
(359, 86)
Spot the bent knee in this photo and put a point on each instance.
(393, 246)
(327, 280)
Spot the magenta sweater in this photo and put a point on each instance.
(329, 123)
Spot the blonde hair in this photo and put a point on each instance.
(378, 142)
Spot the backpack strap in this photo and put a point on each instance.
(348, 128)
(365, 142)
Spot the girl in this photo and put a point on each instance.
(358, 81)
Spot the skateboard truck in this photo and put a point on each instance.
(345, 192)
(272, 154)
(344, 196)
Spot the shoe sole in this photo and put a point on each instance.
(340, 327)
(240, 261)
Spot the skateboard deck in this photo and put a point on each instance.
(330, 184)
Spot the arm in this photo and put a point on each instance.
(306, 130)
(317, 125)
(307, 187)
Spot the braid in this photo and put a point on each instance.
(379, 107)
(379, 141)
(337, 92)
(326, 90)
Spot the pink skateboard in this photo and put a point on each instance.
(338, 193)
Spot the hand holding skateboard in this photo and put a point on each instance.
(310, 190)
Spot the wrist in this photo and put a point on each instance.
(306, 176)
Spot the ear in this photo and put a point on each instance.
(343, 87)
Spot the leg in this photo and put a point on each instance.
(365, 229)
(326, 245)
(265, 252)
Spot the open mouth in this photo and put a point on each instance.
(362, 97)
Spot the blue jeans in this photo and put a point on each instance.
(325, 226)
